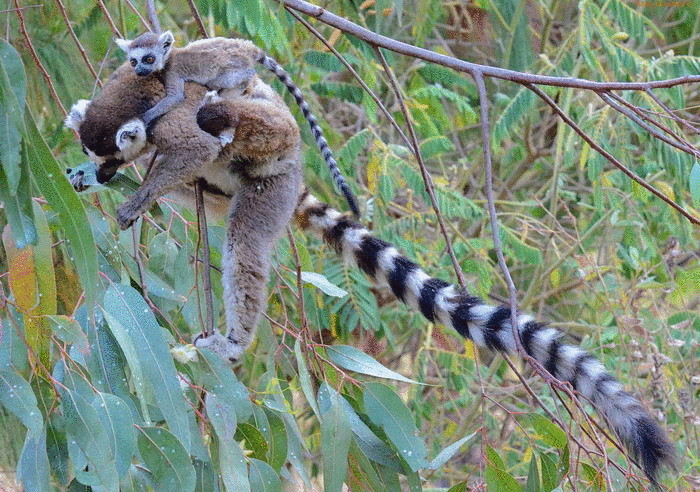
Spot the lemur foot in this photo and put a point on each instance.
(221, 346)
(131, 135)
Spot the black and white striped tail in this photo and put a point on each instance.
(490, 327)
(321, 142)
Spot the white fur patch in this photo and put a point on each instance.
(541, 341)
(385, 261)
(352, 239)
(77, 114)
(130, 139)
(591, 370)
(414, 284)
(443, 307)
(568, 354)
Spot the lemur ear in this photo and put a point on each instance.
(166, 39)
(123, 44)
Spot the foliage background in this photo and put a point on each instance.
(589, 250)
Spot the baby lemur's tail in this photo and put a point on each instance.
(490, 327)
(321, 142)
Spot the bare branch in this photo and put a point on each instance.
(153, 16)
(83, 53)
(197, 18)
(35, 57)
(612, 159)
(204, 237)
(423, 169)
(460, 65)
(108, 16)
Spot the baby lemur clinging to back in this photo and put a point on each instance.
(221, 64)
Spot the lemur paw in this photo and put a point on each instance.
(82, 176)
(131, 136)
(125, 217)
(221, 346)
(211, 97)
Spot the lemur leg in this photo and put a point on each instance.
(174, 95)
(232, 83)
(258, 215)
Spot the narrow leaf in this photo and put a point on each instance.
(17, 396)
(167, 460)
(321, 282)
(13, 88)
(449, 452)
(263, 478)
(387, 411)
(128, 307)
(354, 359)
(335, 444)
(33, 464)
(232, 464)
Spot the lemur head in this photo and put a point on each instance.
(149, 52)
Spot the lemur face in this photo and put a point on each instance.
(147, 53)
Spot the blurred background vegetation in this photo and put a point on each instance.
(590, 251)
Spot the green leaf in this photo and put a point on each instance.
(277, 440)
(354, 359)
(115, 416)
(694, 184)
(434, 146)
(511, 118)
(232, 463)
(305, 379)
(18, 209)
(66, 329)
(449, 452)
(548, 431)
(13, 88)
(17, 397)
(85, 431)
(325, 61)
(533, 476)
(373, 447)
(501, 480)
(387, 411)
(218, 378)
(335, 444)
(167, 459)
(128, 307)
(254, 439)
(64, 201)
(523, 252)
(262, 477)
(549, 473)
(321, 282)
(33, 463)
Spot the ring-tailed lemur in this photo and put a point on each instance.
(264, 179)
(221, 64)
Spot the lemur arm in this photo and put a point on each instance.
(174, 94)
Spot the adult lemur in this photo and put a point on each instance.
(261, 172)
(221, 64)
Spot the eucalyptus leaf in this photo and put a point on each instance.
(354, 359)
(167, 460)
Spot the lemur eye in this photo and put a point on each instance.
(133, 62)
(149, 59)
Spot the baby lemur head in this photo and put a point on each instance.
(149, 52)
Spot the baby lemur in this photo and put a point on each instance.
(260, 172)
(223, 65)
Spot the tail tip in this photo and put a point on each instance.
(653, 448)
(352, 201)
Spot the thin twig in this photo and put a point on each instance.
(197, 18)
(354, 73)
(203, 234)
(493, 216)
(612, 159)
(110, 21)
(429, 187)
(153, 16)
(678, 119)
(35, 57)
(83, 53)
(375, 39)
(4, 11)
(138, 14)
(606, 96)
